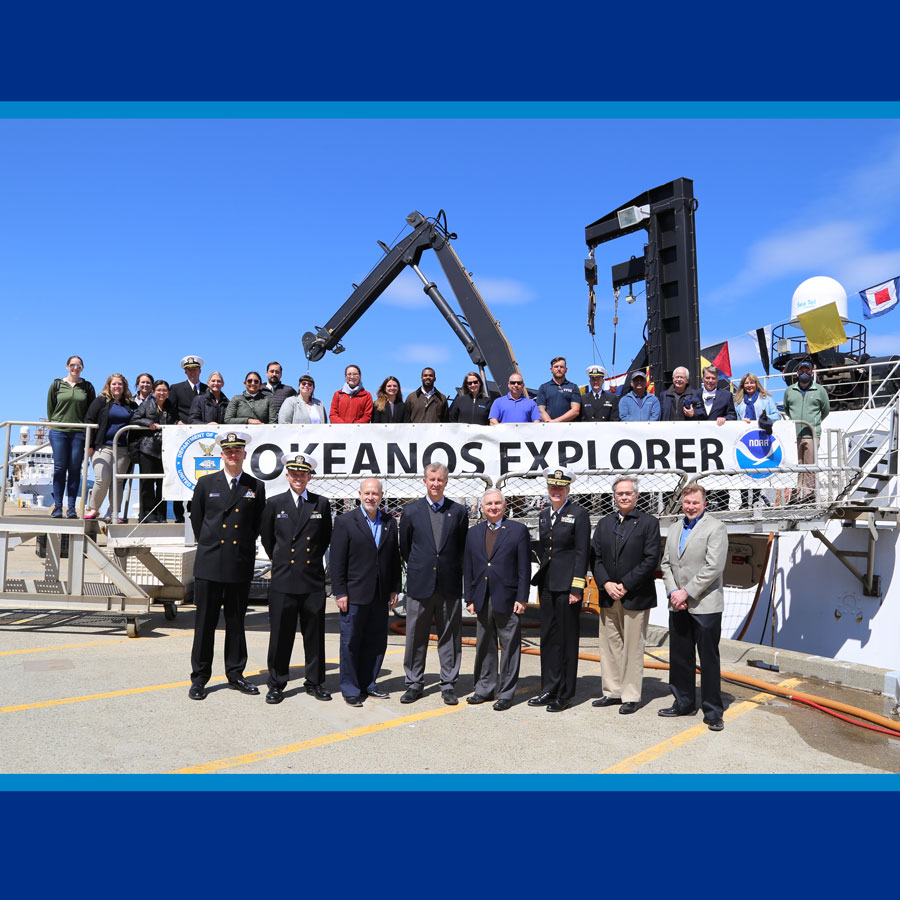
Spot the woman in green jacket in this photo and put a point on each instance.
(251, 407)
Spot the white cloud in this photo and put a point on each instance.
(423, 353)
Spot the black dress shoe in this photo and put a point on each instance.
(354, 701)
(242, 685)
(714, 724)
(197, 692)
(606, 701)
(542, 699)
(629, 707)
(378, 695)
(449, 697)
(501, 705)
(318, 691)
(410, 695)
(558, 705)
(274, 695)
(478, 698)
(671, 711)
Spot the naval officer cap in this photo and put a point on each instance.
(560, 477)
(596, 371)
(299, 462)
(192, 362)
(233, 440)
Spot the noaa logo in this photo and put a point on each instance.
(758, 454)
(198, 465)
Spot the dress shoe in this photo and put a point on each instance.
(606, 701)
(378, 695)
(354, 701)
(629, 707)
(714, 724)
(410, 695)
(558, 705)
(197, 692)
(671, 711)
(274, 695)
(478, 698)
(501, 705)
(542, 699)
(449, 697)
(242, 685)
(318, 691)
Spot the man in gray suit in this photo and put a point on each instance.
(692, 566)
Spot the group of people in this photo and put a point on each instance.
(488, 567)
(156, 403)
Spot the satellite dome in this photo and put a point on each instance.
(817, 292)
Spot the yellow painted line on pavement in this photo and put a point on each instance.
(63, 701)
(64, 647)
(635, 762)
(323, 741)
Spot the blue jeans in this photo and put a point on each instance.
(68, 455)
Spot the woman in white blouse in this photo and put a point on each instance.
(304, 409)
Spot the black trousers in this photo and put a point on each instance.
(284, 611)
(153, 507)
(559, 644)
(211, 597)
(689, 632)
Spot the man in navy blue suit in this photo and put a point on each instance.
(711, 403)
(497, 578)
(365, 581)
(432, 540)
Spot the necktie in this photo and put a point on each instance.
(233, 483)
(552, 518)
(437, 506)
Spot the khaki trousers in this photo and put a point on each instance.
(622, 636)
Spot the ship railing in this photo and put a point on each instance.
(114, 512)
(87, 428)
(659, 491)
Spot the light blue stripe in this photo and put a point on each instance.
(466, 109)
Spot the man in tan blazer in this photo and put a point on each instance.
(692, 566)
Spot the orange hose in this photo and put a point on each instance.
(747, 680)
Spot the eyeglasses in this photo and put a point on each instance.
(473, 382)
(252, 381)
(75, 366)
(516, 382)
(624, 493)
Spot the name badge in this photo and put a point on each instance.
(568, 520)
(282, 515)
(211, 494)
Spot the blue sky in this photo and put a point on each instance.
(136, 242)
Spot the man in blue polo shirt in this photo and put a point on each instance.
(515, 406)
(559, 400)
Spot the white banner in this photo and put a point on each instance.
(363, 451)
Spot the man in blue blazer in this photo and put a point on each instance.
(365, 581)
(497, 579)
(295, 531)
(710, 403)
(225, 515)
(432, 541)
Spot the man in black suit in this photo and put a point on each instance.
(181, 396)
(276, 388)
(432, 541)
(295, 531)
(565, 538)
(365, 581)
(497, 579)
(711, 403)
(598, 405)
(625, 550)
(225, 515)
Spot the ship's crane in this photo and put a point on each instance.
(478, 330)
(668, 267)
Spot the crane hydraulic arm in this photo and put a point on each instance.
(480, 333)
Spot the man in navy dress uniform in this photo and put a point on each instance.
(365, 581)
(225, 515)
(295, 531)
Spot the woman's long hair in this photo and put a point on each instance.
(381, 397)
(464, 390)
(126, 394)
(739, 396)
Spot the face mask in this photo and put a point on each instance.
(804, 380)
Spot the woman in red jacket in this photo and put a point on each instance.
(352, 403)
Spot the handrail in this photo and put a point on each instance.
(69, 426)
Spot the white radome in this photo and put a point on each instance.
(817, 292)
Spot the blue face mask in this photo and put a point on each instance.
(804, 379)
